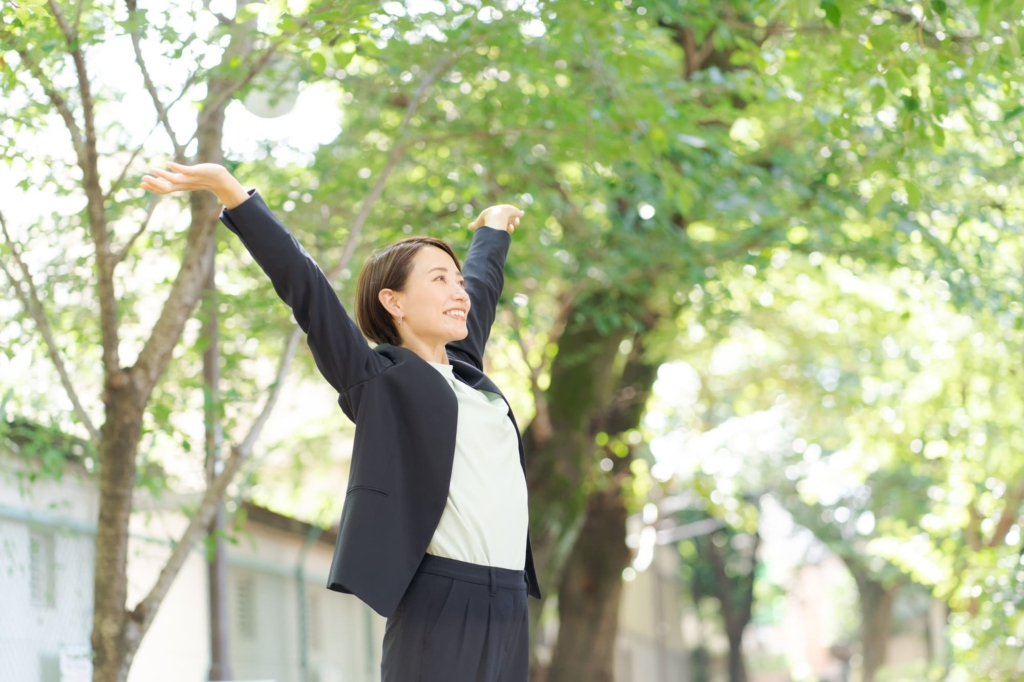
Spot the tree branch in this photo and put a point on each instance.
(397, 151)
(185, 291)
(962, 40)
(78, 14)
(161, 111)
(229, 90)
(89, 162)
(1009, 516)
(220, 17)
(58, 102)
(124, 171)
(695, 55)
(114, 186)
(543, 430)
(145, 611)
(122, 253)
(34, 307)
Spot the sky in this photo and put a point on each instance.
(314, 120)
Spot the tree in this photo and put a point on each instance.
(591, 584)
(851, 217)
(53, 46)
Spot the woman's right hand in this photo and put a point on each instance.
(208, 176)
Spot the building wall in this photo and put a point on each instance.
(47, 535)
(342, 634)
(46, 559)
(650, 645)
(177, 646)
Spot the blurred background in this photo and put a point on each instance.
(761, 327)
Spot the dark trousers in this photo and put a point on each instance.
(459, 622)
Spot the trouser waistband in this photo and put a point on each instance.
(492, 576)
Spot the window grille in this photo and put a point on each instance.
(42, 568)
(246, 609)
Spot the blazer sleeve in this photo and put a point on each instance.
(484, 272)
(341, 352)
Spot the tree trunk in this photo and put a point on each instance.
(581, 382)
(876, 608)
(116, 475)
(737, 666)
(736, 597)
(216, 560)
(876, 604)
(590, 591)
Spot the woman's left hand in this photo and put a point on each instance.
(501, 217)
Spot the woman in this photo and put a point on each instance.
(434, 527)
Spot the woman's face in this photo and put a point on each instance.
(434, 305)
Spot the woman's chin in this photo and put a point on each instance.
(456, 336)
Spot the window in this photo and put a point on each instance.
(246, 606)
(42, 568)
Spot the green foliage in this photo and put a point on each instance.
(821, 198)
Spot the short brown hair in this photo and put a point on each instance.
(388, 268)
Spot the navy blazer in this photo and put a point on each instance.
(404, 410)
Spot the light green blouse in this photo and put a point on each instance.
(485, 518)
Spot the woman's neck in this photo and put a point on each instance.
(428, 352)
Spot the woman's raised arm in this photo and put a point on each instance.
(341, 352)
(484, 272)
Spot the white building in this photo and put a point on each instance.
(47, 531)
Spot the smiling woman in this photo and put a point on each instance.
(414, 297)
(434, 532)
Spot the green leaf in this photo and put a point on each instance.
(901, 78)
(939, 6)
(1013, 44)
(984, 10)
(248, 12)
(832, 12)
(879, 165)
(288, 25)
(684, 201)
(913, 193)
(342, 57)
(1013, 113)
(878, 95)
(658, 139)
(317, 62)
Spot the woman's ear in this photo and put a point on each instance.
(389, 299)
